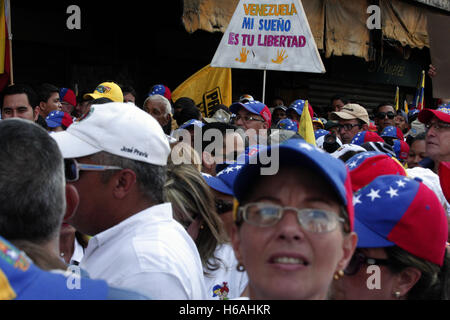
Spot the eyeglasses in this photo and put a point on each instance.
(266, 215)
(72, 169)
(347, 126)
(359, 259)
(223, 206)
(246, 118)
(437, 125)
(382, 115)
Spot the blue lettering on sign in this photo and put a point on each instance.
(275, 25)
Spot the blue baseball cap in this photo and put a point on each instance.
(57, 118)
(392, 132)
(299, 153)
(298, 106)
(161, 90)
(255, 107)
(399, 211)
(288, 124)
(192, 122)
(320, 132)
(366, 136)
(223, 181)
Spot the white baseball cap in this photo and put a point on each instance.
(118, 128)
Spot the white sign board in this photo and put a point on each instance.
(269, 35)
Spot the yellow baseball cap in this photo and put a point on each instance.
(108, 90)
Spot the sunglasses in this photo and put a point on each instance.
(382, 115)
(72, 169)
(359, 259)
(223, 206)
(347, 126)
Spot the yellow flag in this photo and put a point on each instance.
(405, 104)
(305, 128)
(207, 87)
(3, 38)
(397, 98)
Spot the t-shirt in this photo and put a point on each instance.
(226, 282)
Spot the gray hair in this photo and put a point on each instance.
(32, 184)
(150, 178)
(160, 100)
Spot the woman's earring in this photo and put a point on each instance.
(397, 294)
(339, 274)
(240, 267)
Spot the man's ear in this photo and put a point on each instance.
(72, 201)
(41, 108)
(365, 127)
(123, 181)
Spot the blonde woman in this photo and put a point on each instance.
(194, 207)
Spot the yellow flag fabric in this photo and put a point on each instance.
(397, 98)
(6, 291)
(405, 103)
(305, 128)
(2, 36)
(207, 87)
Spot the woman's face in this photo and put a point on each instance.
(284, 261)
(417, 153)
(369, 283)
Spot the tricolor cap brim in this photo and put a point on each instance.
(72, 146)
(234, 108)
(426, 115)
(217, 184)
(368, 238)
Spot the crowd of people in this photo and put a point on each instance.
(157, 201)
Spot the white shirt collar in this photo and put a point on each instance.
(157, 213)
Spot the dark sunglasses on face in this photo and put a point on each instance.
(223, 206)
(359, 259)
(347, 126)
(382, 115)
(72, 169)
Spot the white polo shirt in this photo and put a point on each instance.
(149, 253)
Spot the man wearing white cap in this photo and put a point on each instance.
(116, 158)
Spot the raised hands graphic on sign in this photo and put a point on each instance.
(243, 59)
(280, 57)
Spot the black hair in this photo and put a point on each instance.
(186, 114)
(410, 139)
(382, 105)
(19, 89)
(128, 89)
(339, 97)
(45, 91)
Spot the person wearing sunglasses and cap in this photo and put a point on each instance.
(116, 158)
(402, 251)
(384, 116)
(293, 230)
